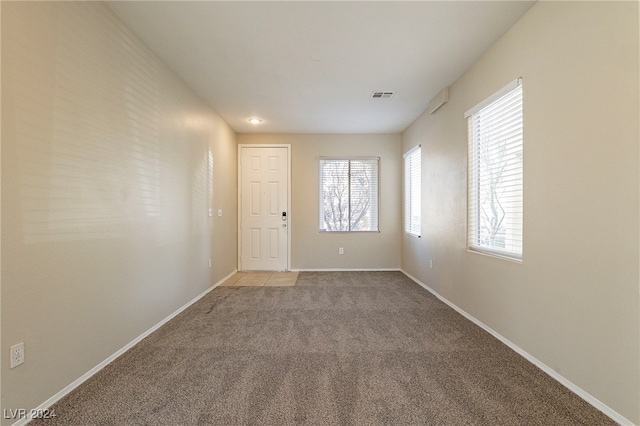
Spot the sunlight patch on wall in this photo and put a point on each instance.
(89, 135)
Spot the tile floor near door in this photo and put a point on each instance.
(262, 279)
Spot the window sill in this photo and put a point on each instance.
(348, 232)
(494, 255)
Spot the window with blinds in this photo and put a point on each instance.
(412, 191)
(349, 194)
(495, 193)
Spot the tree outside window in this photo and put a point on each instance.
(348, 195)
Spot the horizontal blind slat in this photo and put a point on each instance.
(495, 174)
(412, 194)
(349, 194)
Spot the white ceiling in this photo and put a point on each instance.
(311, 66)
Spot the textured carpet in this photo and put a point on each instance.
(339, 348)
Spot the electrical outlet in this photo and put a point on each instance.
(17, 354)
(209, 263)
(341, 250)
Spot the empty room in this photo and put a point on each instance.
(320, 212)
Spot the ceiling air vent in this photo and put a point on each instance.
(381, 95)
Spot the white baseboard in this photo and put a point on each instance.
(614, 415)
(348, 270)
(64, 392)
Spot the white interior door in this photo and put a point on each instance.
(264, 221)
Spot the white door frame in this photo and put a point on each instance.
(289, 220)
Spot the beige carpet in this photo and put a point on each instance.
(361, 348)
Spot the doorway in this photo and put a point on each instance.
(264, 222)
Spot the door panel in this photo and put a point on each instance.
(254, 199)
(274, 199)
(274, 243)
(263, 199)
(254, 235)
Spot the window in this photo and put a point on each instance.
(412, 191)
(495, 173)
(349, 194)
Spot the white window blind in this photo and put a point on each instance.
(495, 193)
(412, 190)
(349, 194)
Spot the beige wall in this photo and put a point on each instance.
(573, 303)
(109, 166)
(311, 249)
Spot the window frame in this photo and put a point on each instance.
(376, 192)
(512, 130)
(410, 158)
